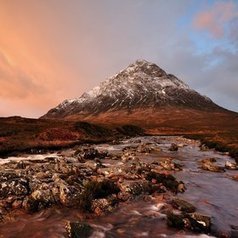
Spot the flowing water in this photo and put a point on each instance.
(214, 194)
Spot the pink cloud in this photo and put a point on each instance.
(214, 18)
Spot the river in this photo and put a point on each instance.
(214, 194)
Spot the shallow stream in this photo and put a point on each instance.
(214, 194)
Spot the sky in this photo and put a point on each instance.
(51, 50)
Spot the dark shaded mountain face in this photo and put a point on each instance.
(141, 85)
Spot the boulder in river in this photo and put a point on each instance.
(235, 177)
(167, 163)
(231, 165)
(173, 147)
(78, 229)
(13, 185)
(203, 147)
(168, 180)
(144, 148)
(103, 205)
(183, 205)
(209, 165)
(136, 187)
(90, 153)
(191, 221)
(96, 190)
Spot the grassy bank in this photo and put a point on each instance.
(222, 143)
(38, 135)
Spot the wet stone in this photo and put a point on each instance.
(91, 153)
(203, 147)
(189, 221)
(144, 148)
(96, 190)
(231, 165)
(200, 222)
(167, 180)
(78, 229)
(103, 205)
(169, 164)
(21, 165)
(235, 177)
(136, 187)
(12, 184)
(69, 195)
(176, 220)
(183, 205)
(209, 165)
(173, 147)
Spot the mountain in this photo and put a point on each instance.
(141, 85)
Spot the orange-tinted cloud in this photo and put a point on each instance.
(32, 76)
(214, 18)
(14, 82)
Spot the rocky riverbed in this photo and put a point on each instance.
(140, 187)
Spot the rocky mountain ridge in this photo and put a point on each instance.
(141, 85)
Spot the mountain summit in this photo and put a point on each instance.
(141, 85)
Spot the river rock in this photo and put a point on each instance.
(78, 229)
(176, 220)
(135, 187)
(209, 165)
(103, 205)
(200, 222)
(235, 177)
(173, 147)
(144, 148)
(183, 205)
(231, 165)
(39, 200)
(203, 147)
(69, 195)
(94, 165)
(194, 221)
(92, 153)
(167, 180)
(11, 184)
(168, 164)
(212, 167)
(97, 190)
(127, 156)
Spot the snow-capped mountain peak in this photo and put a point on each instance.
(142, 84)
